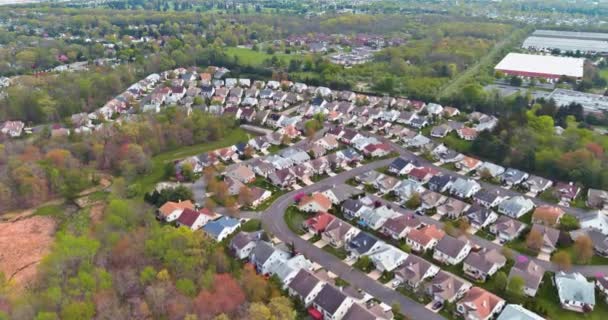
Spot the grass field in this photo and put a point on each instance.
(156, 174)
(294, 219)
(256, 58)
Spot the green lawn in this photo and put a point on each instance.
(256, 58)
(485, 234)
(252, 225)
(264, 184)
(340, 252)
(53, 210)
(604, 74)
(453, 141)
(595, 260)
(547, 299)
(294, 219)
(157, 172)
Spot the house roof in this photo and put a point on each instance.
(508, 225)
(304, 282)
(320, 199)
(216, 227)
(447, 285)
(362, 242)
(517, 312)
(352, 205)
(330, 299)
(426, 234)
(344, 191)
(358, 312)
(530, 271)
(574, 287)
(550, 235)
(188, 217)
(470, 163)
(480, 302)
(320, 221)
(485, 260)
(337, 229)
(413, 269)
(516, 204)
(241, 239)
(551, 213)
(401, 222)
(478, 214)
(170, 206)
(451, 246)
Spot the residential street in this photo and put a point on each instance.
(275, 224)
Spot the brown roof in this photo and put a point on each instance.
(550, 213)
(319, 198)
(170, 206)
(426, 234)
(480, 302)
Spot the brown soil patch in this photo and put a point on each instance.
(23, 244)
(96, 213)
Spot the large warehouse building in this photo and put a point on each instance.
(538, 66)
(584, 42)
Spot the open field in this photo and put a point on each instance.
(255, 58)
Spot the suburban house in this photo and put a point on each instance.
(480, 217)
(282, 178)
(516, 207)
(493, 170)
(317, 202)
(430, 199)
(374, 218)
(512, 177)
(599, 240)
(550, 237)
(483, 264)
(507, 229)
(446, 287)
(466, 133)
(258, 196)
(364, 244)
(402, 166)
(468, 164)
(388, 259)
(287, 269)
(464, 188)
(440, 131)
(330, 304)
(515, 311)
(265, 256)
(530, 271)
(414, 271)
(596, 220)
(386, 184)
(575, 292)
(548, 215)
(450, 250)
(170, 211)
(194, 219)
(338, 233)
(340, 193)
(452, 208)
(221, 228)
(317, 224)
(352, 208)
(305, 286)
(597, 199)
(425, 238)
(536, 184)
(567, 192)
(422, 174)
(441, 183)
(12, 129)
(479, 304)
(243, 243)
(399, 226)
(489, 198)
(241, 173)
(601, 283)
(407, 188)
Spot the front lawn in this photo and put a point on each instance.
(252, 225)
(485, 234)
(294, 219)
(341, 253)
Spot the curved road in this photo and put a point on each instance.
(274, 223)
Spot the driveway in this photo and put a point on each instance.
(320, 244)
(375, 274)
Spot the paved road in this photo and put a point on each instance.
(274, 223)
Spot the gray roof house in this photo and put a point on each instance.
(490, 198)
(414, 271)
(446, 287)
(575, 292)
(506, 228)
(536, 184)
(464, 188)
(306, 286)
(599, 240)
(516, 206)
(452, 208)
(332, 303)
(243, 243)
(550, 237)
(483, 264)
(597, 198)
(450, 250)
(513, 177)
(480, 217)
(264, 256)
(441, 183)
(493, 169)
(339, 193)
(364, 244)
(530, 271)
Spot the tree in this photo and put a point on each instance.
(245, 196)
(282, 308)
(225, 297)
(255, 286)
(414, 201)
(258, 311)
(285, 140)
(569, 222)
(186, 286)
(364, 263)
(500, 281)
(78, 310)
(584, 249)
(562, 260)
(534, 240)
(516, 286)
